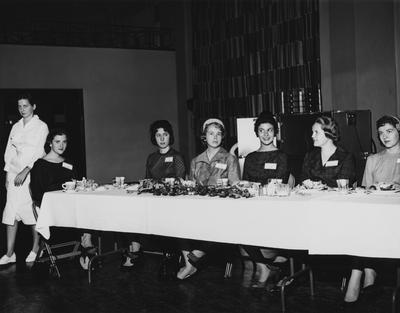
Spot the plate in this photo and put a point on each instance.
(69, 190)
(382, 192)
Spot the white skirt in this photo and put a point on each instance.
(19, 202)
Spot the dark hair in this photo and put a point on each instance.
(164, 124)
(204, 132)
(265, 117)
(329, 126)
(387, 119)
(26, 96)
(52, 134)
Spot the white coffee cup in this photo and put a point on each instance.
(119, 181)
(222, 182)
(170, 180)
(343, 184)
(69, 185)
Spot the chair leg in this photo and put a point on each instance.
(53, 265)
(311, 277)
(228, 270)
(394, 298)
(286, 281)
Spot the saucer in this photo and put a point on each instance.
(69, 190)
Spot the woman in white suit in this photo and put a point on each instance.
(25, 145)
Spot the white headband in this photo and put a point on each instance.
(212, 120)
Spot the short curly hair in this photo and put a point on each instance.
(164, 124)
(26, 96)
(329, 126)
(266, 117)
(388, 119)
(52, 134)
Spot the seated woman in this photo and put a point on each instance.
(206, 169)
(382, 167)
(260, 166)
(166, 162)
(327, 162)
(50, 172)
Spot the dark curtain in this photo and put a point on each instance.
(254, 55)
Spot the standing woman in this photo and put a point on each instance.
(382, 167)
(25, 145)
(206, 169)
(266, 163)
(166, 162)
(327, 162)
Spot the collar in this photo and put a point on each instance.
(219, 155)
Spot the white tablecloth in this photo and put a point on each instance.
(323, 223)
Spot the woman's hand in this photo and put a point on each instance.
(20, 178)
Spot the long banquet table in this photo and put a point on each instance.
(325, 222)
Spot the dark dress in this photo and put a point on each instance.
(49, 176)
(340, 165)
(261, 166)
(159, 166)
(170, 164)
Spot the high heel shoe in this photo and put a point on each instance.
(197, 262)
(193, 271)
(130, 260)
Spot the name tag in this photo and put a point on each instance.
(67, 166)
(270, 166)
(221, 166)
(169, 159)
(398, 160)
(331, 163)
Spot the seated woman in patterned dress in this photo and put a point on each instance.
(165, 162)
(327, 162)
(381, 168)
(50, 172)
(206, 169)
(268, 162)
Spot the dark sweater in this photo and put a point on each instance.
(48, 176)
(261, 166)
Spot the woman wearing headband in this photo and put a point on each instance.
(206, 169)
(381, 168)
(327, 162)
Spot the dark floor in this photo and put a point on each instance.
(24, 289)
(30, 290)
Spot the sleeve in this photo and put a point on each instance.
(148, 174)
(10, 152)
(38, 143)
(305, 171)
(282, 170)
(348, 169)
(38, 184)
(180, 170)
(368, 179)
(192, 170)
(233, 170)
(246, 169)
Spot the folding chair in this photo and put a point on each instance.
(51, 257)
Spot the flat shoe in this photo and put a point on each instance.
(7, 259)
(31, 257)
